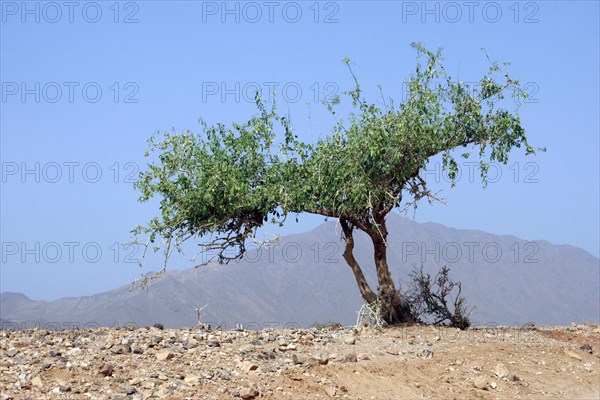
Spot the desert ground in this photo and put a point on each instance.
(409, 362)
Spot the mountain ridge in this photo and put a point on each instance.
(304, 280)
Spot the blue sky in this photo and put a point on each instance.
(84, 87)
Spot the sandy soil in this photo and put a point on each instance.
(413, 362)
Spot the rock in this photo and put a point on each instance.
(224, 375)
(130, 390)
(37, 382)
(392, 350)
(480, 382)
(248, 366)
(190, 345)
(363, 357)
(500, 371)
(586, 347)
(247, 393)
(164, 356)
(425, 353)
(106, 369)
(74, 351)
(331, 391)
(135, 381)
(120, 349)
(192, 380)
(350, 340)
(493, 385)
(213, 343)
(350, 358)
(299, 359)
(322, 358)
(11, 352)
(247, 348)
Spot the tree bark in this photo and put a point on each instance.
(393, 309)
(365, 290)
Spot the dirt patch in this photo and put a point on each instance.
(395, 363)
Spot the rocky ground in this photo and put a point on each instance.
(527, 362)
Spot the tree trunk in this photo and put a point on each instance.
(393, 309)
(365, 290)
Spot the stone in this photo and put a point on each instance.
(135, 381)
(192, 380)
(247, 393)
(224, 375)
(480, 382)
(392, 350)
(350, 358)
(586, 347)
(331, 391)
(425, 353)
(120, 349)
(573, 355)
(247, 348)
(130, 390)
(11, 352)
(350, 340)
(322, 358)
(164, 356)
(37, 382)
(299, 359)
(500, 371)
(106, 369)
(248, 366)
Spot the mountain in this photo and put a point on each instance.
(305, 280)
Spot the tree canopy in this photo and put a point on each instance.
(229, 181)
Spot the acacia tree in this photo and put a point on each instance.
(229, 181)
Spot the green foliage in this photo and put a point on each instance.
(229, 181)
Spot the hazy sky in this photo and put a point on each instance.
(84, 84)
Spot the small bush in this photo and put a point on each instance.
(159, 326)
(438, 298)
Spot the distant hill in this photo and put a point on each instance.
(305, 280)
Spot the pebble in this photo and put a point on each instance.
(247, 393)
(37, 382)
(480, 382)
(164, 355)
